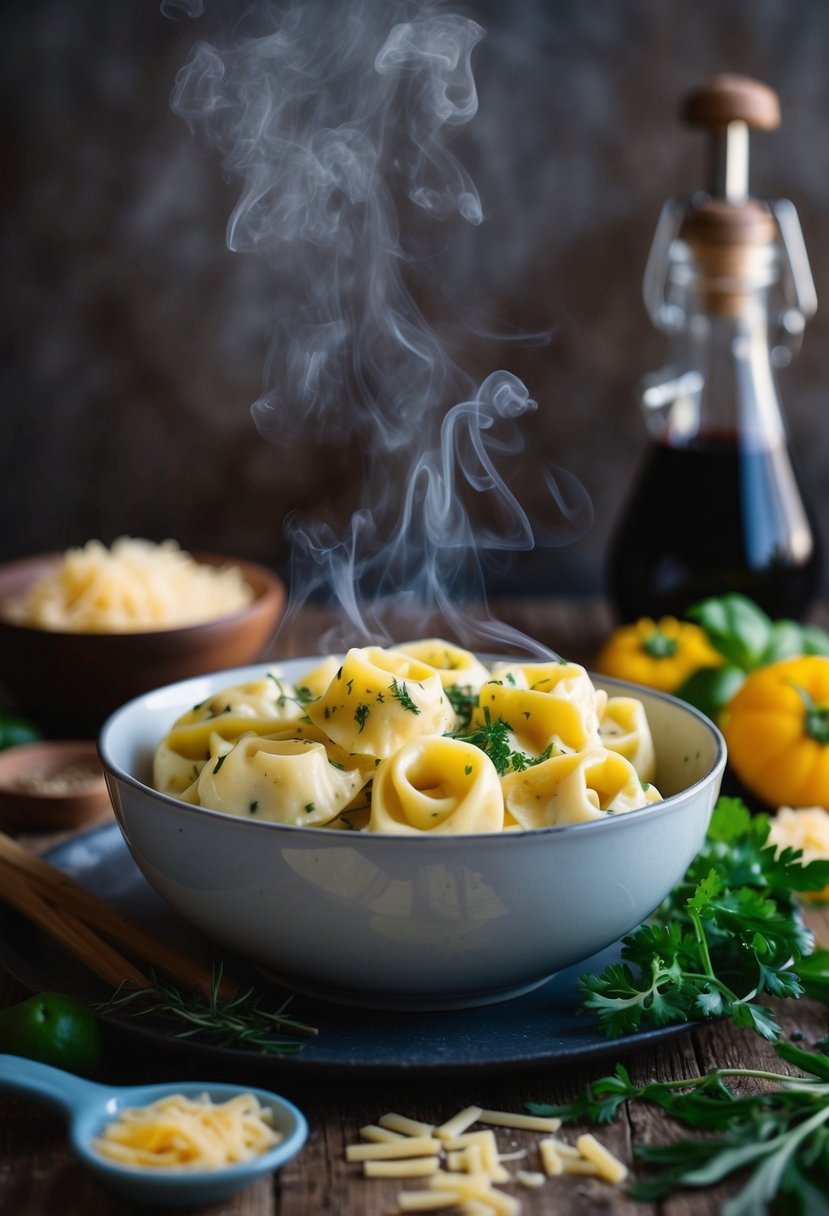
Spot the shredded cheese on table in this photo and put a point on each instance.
(464, 1168)
(134, 587)
(191, 1134)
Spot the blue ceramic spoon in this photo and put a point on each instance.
(89, 1106)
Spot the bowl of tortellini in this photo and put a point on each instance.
(412, 826)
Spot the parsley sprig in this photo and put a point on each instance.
(780, 1135)
(494, 739)
(729, 933)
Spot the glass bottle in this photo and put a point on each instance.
(719, 505)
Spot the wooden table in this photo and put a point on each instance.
(38, 1176)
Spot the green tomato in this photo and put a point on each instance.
(15, 730)
(54, 1029)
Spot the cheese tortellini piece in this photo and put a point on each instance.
(417, 739)
(259, 706)
(624, 729)
(380, 700)
(575, 788)
(282, 780)
(546, 705)
(455, 666)
(437, 784)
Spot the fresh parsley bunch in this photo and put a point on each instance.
(729, 933)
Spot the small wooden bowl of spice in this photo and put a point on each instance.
(52, 785)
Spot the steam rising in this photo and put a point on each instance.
(337, 120)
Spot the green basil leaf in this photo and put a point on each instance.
(736, 627)
(815, 640)
(785, 642)
(711, 688)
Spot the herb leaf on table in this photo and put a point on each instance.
(728, 933)
(780, 1135)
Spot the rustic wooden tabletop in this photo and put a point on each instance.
(38, 1176)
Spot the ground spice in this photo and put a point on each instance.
(70, 779)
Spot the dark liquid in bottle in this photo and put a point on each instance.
(712, 518)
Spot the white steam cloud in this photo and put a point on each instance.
(337, 120)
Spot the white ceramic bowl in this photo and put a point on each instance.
(394, 921)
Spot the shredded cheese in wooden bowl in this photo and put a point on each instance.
(134, 586)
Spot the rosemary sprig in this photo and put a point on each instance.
(235, 1021)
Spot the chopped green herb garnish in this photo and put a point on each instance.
(493, 738)
(463, 702)
(360, 715)
(220, 762)
(401, 694)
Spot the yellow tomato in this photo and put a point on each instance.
(660, 654)
(777, 732)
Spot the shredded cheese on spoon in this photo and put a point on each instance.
(182, 1133)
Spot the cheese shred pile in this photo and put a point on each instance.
(461, 1163)
(188, 1134)
(805, 828)
(136, 586)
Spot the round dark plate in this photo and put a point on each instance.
(543, 1027)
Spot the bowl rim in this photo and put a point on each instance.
(269, 590)
(672, 804)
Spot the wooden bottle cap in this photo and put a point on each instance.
(728, 98)
(730, 243)
(715, 223)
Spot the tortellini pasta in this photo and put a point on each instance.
(575, 788)
(437, 784)
(624, 728)
(379, 700)
(282, 780)
(376, 741)
(259, 706)
(455, 666)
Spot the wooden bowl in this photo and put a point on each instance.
(69, 683)
(52, 786)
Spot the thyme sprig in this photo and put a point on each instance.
(238, 1021)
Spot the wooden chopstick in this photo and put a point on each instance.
(77, 937)
(27, 877)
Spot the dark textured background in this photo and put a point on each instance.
(134, 340)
